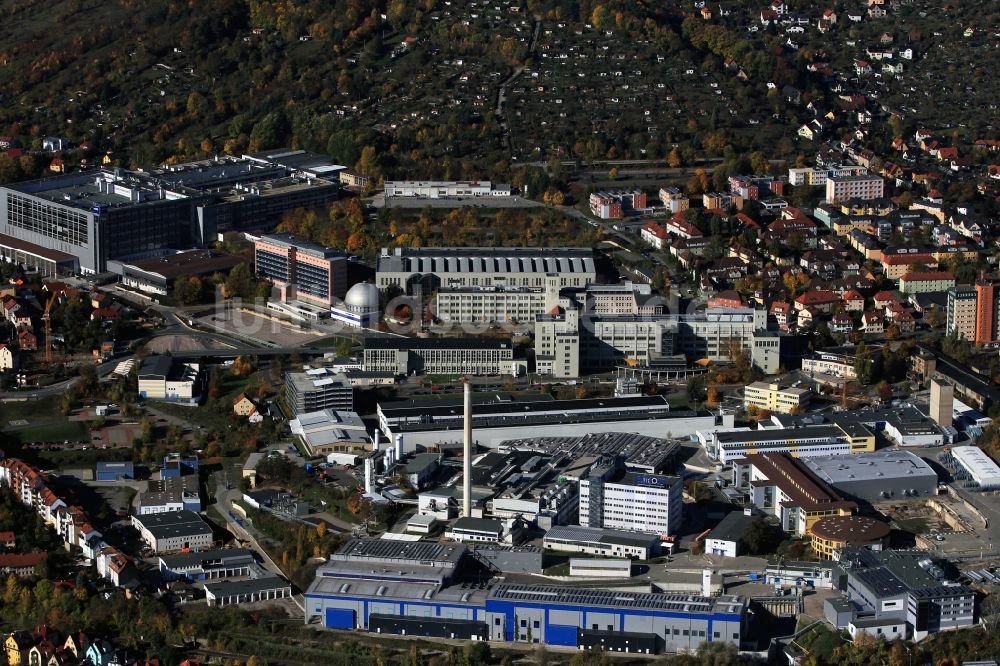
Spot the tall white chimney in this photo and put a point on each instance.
(377, 439)
(467, 456)
(706, 582)
(369, 474)
(399, 447)
(387, 460)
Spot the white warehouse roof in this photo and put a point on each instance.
(983, 469)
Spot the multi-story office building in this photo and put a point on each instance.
(569, 342)
(318, 389)
(430, 189)
(103, 214)
(253, 191)
(434, 268)
(392, 587)
(631, 501)
(962, 312)
(893, 587)
(523, 304)
(779, 484)
(775, 398)
(300, 269)
(441, 356)
(844, 188)
(98, 215)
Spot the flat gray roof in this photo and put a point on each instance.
(229, 588)
(869, 467)
(174, 524)
(583, 534)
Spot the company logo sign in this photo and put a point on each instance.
(651, 481)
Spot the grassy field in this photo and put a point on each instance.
(49, 430)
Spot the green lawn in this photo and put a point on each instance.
(49, 431)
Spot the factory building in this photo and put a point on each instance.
(500, 418)
(173, 531)
(783, 486)
(431, 269)
(815, 440)
(423, 589)
(162, 378)
(602, 542)
(893, 588)
(207, 564)
(329, 431)
(632, 501)
(977, 466)
(876, 476)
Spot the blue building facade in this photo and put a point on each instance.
(405, 594)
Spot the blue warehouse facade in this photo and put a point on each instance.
(408, 588)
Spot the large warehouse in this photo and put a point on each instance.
(433, 268)
(424, 589)
(876, 476)
(980, 468)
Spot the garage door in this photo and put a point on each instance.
(340, 618)
(559, 634)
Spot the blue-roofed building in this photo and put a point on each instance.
(114, 471)
(418, 588)
(175, 465)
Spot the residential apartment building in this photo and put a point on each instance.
(441, 356)
(780, 485)
(962, 312)
(674, 200)
(631, 501)
(300, 269)
(766, 396)
(987, 311)
(616, 204)
(430, 269)
(318, 389)
(923, 282)
(818, 176)
(844, 188)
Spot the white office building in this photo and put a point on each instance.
(437, 189)
(638, 502)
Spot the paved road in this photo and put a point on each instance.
(103, 370)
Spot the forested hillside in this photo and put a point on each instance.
(419, 82)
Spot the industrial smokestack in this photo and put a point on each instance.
(467, 456)
(377, 440)
(399, 447)
(369, 474)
